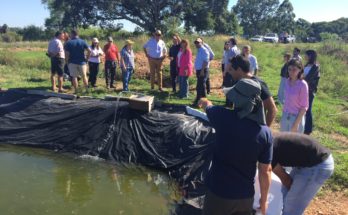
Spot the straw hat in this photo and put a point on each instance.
(129, 42)
(95, 40)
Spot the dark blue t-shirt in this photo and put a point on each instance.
(76, 48)
(240, 144)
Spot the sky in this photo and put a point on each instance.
(20, 13)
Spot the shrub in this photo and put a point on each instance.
(329, 36)
(11, 37)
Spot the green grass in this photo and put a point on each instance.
(30, 69)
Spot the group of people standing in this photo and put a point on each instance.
(181, 65)
(245, 143)
(297, 90)
(72, 55)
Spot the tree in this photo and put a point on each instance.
(303, 29)
(255, 15)
(72, 13)
(227, 23)
(3, 29)
(32, 32)
(285, 18)
(148, 14)
(197, 16)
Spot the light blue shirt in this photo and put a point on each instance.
(155, 49)
(230, 53)
(128, 58)
(211, 53)
(202, 56)
(253, 63)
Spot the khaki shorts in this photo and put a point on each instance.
(76, 70)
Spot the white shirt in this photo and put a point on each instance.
(95, 54)
(155, 49)
(253, 63)
(56, 48)
(178, 58)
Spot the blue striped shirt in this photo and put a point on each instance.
(128, 58)
(202, 56)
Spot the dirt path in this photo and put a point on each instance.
(329, 204)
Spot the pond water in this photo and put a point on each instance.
(37, 181)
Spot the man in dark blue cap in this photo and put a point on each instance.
(243, 142)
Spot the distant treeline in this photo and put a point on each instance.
(177, 16)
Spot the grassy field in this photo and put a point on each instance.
(25, 65)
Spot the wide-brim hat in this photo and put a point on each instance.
(110, 39)
(95, 40)
(245, 96)
(129, 42)
(158, 32)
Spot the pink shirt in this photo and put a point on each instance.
(185, 63)
(296, 96)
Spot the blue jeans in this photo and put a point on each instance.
(281, 90)
(110, 72)
(126, 77)
(306, 183)
(309, 119)
(184, 85)
(288, 121)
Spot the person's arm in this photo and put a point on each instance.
(256, 66)
(298, 120)
(304, 103)
(270, 110)
(147, 55)
(284, 177)
(164, 51)
(171, 55)
(145, 49)
(205, 62)
(265, 178)
(189, 62)
(122, 64)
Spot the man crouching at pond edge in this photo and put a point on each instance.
(242, 141)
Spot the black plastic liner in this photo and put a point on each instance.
(165, 139)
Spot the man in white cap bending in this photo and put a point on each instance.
(243, 142)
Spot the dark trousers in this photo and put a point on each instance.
(216, 205)
(93, 73)
(207, 83)
(110, 72)
(201, 84)
(309, 118)
(228, 82)
(173, 75)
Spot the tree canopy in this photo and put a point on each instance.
(198, 15)
(255, 16)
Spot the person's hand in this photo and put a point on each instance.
(287, 181)
(186, 72)
(263, 207)
(204, 103)
(294, 128)
(171, 58)
(202, 73)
